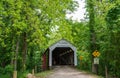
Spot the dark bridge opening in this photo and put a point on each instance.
(62, 56)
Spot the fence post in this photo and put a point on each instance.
(15, 74)
(33, 72)
(35, 69)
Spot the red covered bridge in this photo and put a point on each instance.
(60, 53)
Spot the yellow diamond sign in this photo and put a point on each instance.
(96, 53)
(81, 57)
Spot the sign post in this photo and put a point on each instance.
(96, 54)
(81, 58)
(96, 60)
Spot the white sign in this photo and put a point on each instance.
(96, 60)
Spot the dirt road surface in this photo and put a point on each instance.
(69, 72)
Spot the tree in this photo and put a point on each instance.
(93, 45)
(112, 19)
(25, 26)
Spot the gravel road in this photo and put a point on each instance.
(69, 72)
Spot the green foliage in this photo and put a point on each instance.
(2, 70)
(84, 62)
(26, 30)
(113, 23)
(107, 38)
(36, 24)
(80, 34)
(4, 75)
(9, 69)
(6, 72)
(22, 74)
(43, 74)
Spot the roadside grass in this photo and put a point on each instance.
(20, 75)
(97, 76)
(4, 76)
(43, 74)
(92, 74)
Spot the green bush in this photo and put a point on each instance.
(5, 76)
(2, 70)
(9, 69)
(22, 74)
(83, 60)
(6, 72)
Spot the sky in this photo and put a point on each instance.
(79, 13)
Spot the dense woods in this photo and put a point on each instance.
(28, 27)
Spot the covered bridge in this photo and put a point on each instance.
(60, 53)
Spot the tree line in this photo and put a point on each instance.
(103, 23)
(28, 27)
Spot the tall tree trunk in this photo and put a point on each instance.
(92, 32)
(106, 72)
(16, 55)
(24, 52)
(15, 60)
